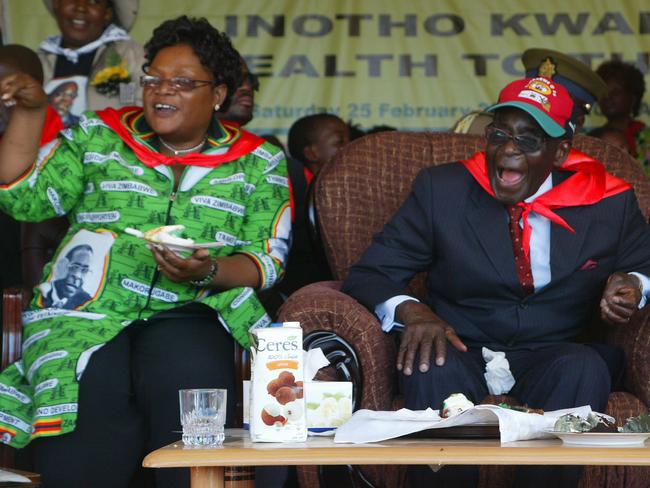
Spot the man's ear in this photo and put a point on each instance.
(561, 152)
(310, 153)
(311, 156)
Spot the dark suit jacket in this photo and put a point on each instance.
(450, 227)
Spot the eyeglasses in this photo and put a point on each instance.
(254, 81)
(526, 144)
(178, 83)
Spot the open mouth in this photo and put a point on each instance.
(165, 108)
(78, 23)
(510, 177)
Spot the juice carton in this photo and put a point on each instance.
(277, 405)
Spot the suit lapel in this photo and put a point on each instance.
(566, 246)
(489, 221)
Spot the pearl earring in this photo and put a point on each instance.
(217, 107)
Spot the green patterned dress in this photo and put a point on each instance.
(93, 177)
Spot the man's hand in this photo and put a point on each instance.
(621, 298)
(423, 330)
(181, 270)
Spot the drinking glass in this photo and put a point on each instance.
(203, 415)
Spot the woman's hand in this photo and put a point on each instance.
(21, 137)
(182, 270)
(21, 90)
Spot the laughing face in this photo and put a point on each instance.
(243, 100)
(180, 116)
(82, 21)
(514, 174)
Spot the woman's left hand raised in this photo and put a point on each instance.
(182, 270)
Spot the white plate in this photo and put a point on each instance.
(175, 247)
(611, 439)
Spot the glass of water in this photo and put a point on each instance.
(203, 415)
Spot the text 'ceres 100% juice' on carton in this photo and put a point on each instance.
(277, 409)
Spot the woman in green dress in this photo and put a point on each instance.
(117, 325)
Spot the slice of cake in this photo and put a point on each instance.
(454, 404)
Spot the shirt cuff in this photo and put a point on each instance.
(385, 311)
(645, 287)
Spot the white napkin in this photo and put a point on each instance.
(497, 372)
(372, 426)
(313, 360)
(6, 476)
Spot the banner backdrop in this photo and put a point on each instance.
(413, 65)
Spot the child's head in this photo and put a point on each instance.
(315, 139)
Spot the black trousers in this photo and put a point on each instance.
(128, 400)
(555, 377)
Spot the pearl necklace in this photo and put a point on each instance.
(180, 152)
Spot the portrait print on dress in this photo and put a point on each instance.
(78, 272)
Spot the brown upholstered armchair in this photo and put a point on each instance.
(355, 195)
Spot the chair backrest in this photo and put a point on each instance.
(358, 191)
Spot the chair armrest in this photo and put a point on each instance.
(323, 307)
(634, 338)
(12, 325)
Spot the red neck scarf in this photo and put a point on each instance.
(236, 142)
(589, 184)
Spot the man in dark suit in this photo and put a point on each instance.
(519, 242)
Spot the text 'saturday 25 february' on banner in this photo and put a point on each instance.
(413, 65)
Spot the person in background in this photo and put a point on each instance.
(94, 49)
(614, 136)
(243, 100)
(584, 86)
(315, 139)
(101, 381)
(519, 248)
(621, 103)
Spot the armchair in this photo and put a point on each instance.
(355, 194)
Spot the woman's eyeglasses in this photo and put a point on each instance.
(526, 144)
(178, 83)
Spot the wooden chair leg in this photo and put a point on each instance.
(239, 476)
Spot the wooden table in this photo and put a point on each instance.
(207, 464)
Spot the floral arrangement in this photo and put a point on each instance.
(107, 81)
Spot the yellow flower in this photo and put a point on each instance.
(112, 73)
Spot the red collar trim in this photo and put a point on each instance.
(234, 141)
(589, 184)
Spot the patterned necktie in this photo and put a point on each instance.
(524, 272)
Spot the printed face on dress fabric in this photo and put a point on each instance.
(78, 271)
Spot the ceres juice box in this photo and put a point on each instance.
(277, 405)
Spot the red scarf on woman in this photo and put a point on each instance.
(589, 184)
(236, 142)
